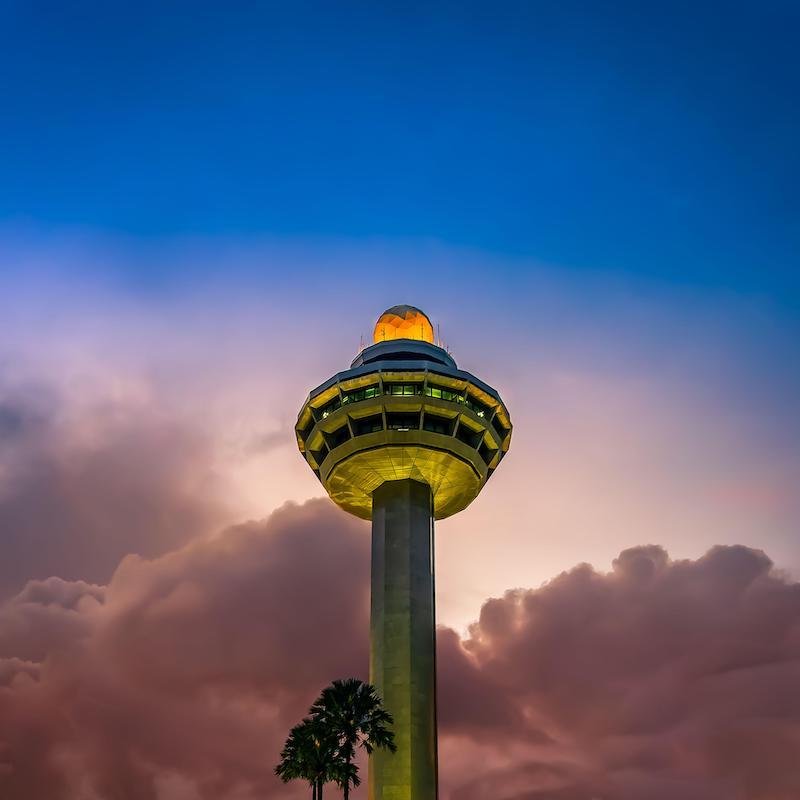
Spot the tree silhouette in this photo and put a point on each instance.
(352, 714)
(347, 715)
(311, 754)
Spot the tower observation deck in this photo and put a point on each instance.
(404, 437)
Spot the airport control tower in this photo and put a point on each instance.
(401, 438)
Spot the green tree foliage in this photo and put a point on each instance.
(352, 713)
(347, 715)
(310, 754)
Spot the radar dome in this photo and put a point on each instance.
(403, 322)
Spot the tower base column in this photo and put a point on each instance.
(403, 639)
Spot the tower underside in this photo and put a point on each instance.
(403, 639)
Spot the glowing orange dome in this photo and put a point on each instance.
(403, 322)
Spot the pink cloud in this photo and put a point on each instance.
(80, 489)
(180, 677)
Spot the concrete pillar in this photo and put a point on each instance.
(403, 639)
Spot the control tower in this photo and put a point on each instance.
(402, 438)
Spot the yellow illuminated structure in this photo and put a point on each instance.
(404, 437)
(403, 322)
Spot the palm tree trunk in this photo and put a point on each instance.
(319, 790)
(314, 791)
(347, 778)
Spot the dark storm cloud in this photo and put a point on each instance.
(80, 491)
(660, 679)
(12, 421)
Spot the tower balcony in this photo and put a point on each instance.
(389, 420)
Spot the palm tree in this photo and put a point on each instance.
(345, 775)
(294, 762)
(353, 714)
(311, 753)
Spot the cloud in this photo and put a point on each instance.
(626, 397)
(81, 487)
(659, 679)
(264, 443)
(180, 677)
(191, 665)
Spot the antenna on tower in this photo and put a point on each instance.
(438, 335)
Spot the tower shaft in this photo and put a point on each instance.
(403, 639)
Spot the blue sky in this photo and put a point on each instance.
(597, 202)
(617, 137)
(204, 207)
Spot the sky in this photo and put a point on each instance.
(203, 211)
